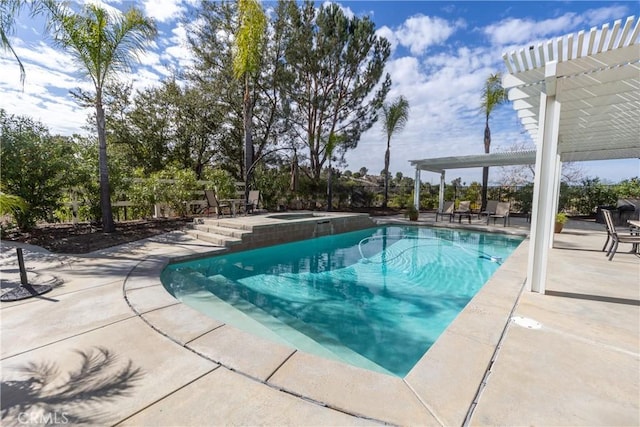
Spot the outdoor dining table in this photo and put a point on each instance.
(234, 204)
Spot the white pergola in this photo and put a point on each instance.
(578, 96)
(441, 164)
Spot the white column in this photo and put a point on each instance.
(441, 193)
(557, 174)
(416, 190)
(543, 214)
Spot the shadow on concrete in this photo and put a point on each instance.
(49, 395)
(593, 297)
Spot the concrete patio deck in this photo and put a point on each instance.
(110, 346)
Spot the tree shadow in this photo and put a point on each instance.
(67, 397)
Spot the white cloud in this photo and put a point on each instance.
(420, 32)
(44, 55)
(443, 91)
(517, 31)
(45, 97)
(163, 10)
(177, 50)
(597, 17)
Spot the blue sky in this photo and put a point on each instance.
(442, 53)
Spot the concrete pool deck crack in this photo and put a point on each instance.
(280, 365)
(166, 395)
(425, 404)
(69, 337)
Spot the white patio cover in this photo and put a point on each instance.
(578, 96)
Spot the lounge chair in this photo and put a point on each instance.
(490, 209)
(212, 202)
(252, 202)
(447, 209)
(502, 211)
(464, 210)
(616, 238)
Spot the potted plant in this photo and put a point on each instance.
(561, 218)
(412, 213)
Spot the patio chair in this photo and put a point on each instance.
(490, 209)
(615, 237)
(447, 209)
(464, 210)
(502, 211)
(252, 202)
(213, 202)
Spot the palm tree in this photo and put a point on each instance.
(493, 95)
(249, 41)
(9, 9)
(102, 44)
(394, 118)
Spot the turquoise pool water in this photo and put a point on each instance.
(376, 298)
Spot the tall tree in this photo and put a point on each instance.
(249, 41)
(493, 94)
(213, 50)
(337, 64)
(102, 44)
(394, 117)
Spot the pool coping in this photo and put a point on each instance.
(440, 389)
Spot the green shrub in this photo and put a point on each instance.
(34, 165)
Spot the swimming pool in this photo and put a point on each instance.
(375, 298)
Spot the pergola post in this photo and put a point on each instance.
(544, 193)
(441, 193)
(416, 190)
(556, 195)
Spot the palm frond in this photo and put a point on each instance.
(395, 116)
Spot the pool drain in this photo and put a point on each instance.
(526, 322)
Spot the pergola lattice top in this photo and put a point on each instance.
(597, 82)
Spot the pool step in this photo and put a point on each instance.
(232, 223)
(216, 239)
(224, 231)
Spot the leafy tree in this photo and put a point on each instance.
(493, 94)
(592, 193)
(140, 125)
(102, 45)
(628, 188)
(223, 182)
(34, 167)
(394, 118)
(336, 65)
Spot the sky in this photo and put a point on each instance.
(442, 53)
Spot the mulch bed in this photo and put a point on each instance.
(84, 238)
